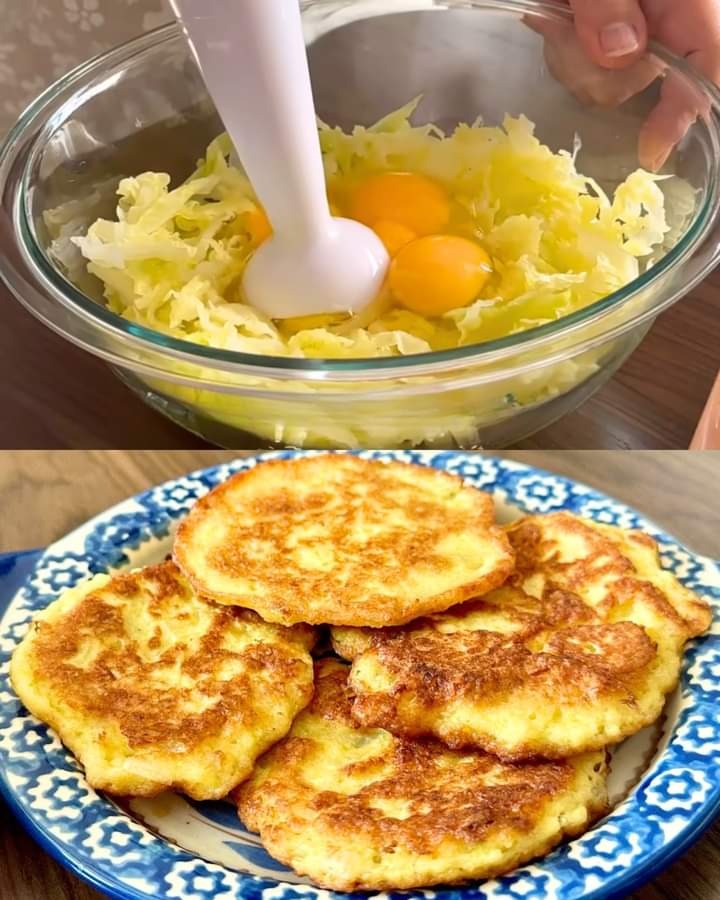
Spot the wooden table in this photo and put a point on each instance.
(57, 396)
(44, 495)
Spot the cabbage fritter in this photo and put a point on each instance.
(356, 808)
(153, 688)
(576, 651)
(340, 540)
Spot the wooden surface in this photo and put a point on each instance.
(57, 396)
(44, 495)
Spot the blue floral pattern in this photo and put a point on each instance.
(90, 834)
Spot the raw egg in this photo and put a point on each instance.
(393, 235)
(413, 201)
(258, 225)
(433, 275)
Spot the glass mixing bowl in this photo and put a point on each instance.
(143, 106)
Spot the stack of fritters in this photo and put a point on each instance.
(490, 669)
(575, 651)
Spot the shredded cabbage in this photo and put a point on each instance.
(174, 258)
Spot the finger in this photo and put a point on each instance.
(667, 124)
(681, 104)
(551, 29)
(684, 26)
(616, 88)
(707, 61)
(613, 32)
(569, 64)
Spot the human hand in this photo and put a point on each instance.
(602, 59)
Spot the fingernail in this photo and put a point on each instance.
(659, 161)
(653, 155)
(619, 39)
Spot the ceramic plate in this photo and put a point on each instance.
(665, 783)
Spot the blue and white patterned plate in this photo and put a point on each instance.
(665, 782)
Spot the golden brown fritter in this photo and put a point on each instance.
(153, 688)
(576, 651)
(341, 540)
(356, 808)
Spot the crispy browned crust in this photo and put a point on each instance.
(464, 799)
(534, 553)
(696, 613)
(116, 686)
(434, 668)
(561, 650)
(292, 594)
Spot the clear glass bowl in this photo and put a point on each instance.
(143, 106)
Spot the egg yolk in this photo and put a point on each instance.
(416, 202)
(433, 275)
(393, 235)
(258, 225)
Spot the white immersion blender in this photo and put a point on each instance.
(253, 59)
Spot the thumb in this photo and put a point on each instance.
(613, 32)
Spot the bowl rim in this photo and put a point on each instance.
(140, 338)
